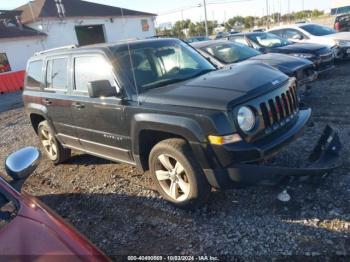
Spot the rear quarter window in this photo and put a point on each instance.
(34, 78)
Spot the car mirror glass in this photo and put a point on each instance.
(21, 164)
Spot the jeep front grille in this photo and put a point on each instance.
(280, 109)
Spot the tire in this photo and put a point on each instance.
(177, 175)
(52, 147)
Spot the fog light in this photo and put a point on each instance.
(222, 140)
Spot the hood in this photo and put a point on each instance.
(339, 36)
(217, 89)
(300, 48)
(286, 63)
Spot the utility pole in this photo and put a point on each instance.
(205, 18)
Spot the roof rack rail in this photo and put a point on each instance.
(56, 49)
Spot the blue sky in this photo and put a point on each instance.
(219, 12)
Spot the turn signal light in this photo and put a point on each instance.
(222, 140)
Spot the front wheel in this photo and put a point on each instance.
(177, 175)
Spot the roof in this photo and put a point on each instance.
(123, 44)
(15, 31)
(290, 26)
(203, 44)
(38, 9)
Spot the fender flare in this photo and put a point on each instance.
(178, 125)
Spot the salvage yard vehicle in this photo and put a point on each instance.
(342, 23)
(28, 228)
(159, 105)
(339, 42)
(320, 55)
(223, 53)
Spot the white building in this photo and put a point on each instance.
(46, 24)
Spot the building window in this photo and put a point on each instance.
(4, 63)
(145, 25)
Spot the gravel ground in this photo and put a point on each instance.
(115, 207)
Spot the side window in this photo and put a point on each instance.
(290, 33)
(34, 74)
(240, 40)
(278, 33)
(91, 68)
(57, 74)
(4, 63)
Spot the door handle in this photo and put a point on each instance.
(47, 101)
(78, 105)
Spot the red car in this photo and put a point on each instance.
(29, 228)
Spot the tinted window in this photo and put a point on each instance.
(57, 74)
(318, 30)
(92, 68)
(34, 74)
(269, 40)
(229, 53)
(239, 39)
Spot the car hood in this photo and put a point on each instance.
(300, 48)
(339, 36)
(286, 63)
(216, 90)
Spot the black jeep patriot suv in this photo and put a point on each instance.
(159, 105)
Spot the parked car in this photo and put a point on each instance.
(224, 52)
(220, 35)
(197, 39)
(342, 23)
(159, 105)
(28, 228)
(321, 55)
(339, 42)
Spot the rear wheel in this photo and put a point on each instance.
(52, 147)
(177, 175)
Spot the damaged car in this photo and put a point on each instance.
(224, 53)
(320, 55)
(159, 105)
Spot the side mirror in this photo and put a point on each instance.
(297, 37)
(21, 164)
(101, 88)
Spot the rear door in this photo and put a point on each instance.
(56, 98)
(100, 122)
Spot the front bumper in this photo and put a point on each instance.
(312, 76)
(341, 52)
(324, 159)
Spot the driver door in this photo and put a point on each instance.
(100, 122)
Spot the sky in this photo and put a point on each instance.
(169, 11)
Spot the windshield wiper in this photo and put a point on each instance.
(163, 82)
(203, 72)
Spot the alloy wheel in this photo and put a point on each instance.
(172, 177)
(48, 143)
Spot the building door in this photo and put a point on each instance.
(91, 34)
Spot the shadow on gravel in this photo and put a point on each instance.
(133, 225)
(87, 160)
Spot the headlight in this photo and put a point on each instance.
(303, 55)
(246, 119)
(342, 43)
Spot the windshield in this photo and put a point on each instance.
(229, 53)
(156, 63)
(318, 30)
(269, 40)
